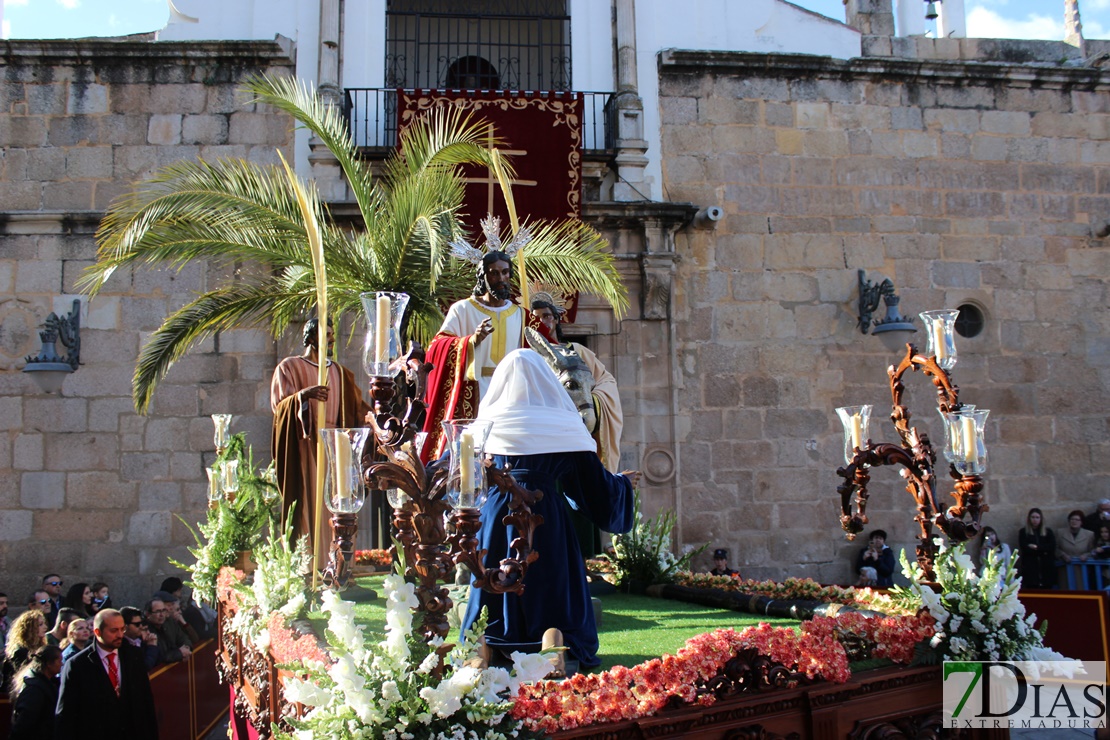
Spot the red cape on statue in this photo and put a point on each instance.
(450, 395)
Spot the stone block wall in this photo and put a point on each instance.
(964, 183)
(88, 488)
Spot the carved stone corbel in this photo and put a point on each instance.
(657, 264)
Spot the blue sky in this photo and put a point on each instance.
(1032, 19)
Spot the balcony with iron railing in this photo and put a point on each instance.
(371, 115)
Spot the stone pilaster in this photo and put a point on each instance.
(628, 111)
(325, 167)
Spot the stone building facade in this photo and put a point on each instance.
(88, 488)
(966, 182)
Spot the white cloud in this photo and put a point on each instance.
(70, 4)
(1093, 5)
(6, 30)
(987, 24)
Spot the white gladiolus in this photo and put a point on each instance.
(398, 592)
(978, 615)
(305, 692)
(346, 675)
(431, 660)
(396, 646)
(528, 668)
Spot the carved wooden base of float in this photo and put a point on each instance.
(252, 676)
(887, 703)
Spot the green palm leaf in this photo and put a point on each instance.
(572, 255)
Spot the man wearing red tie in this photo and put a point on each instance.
(107, 682)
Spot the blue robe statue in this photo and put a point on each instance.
(556, 593)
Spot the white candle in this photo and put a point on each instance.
(939, 348)
(857, 431)
(343, 466)
(969, 438)
(381, 329)
(466, 467)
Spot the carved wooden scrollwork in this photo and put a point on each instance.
(917, 459)
(920, 727)
(508, 577)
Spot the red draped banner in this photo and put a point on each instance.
(542, 134)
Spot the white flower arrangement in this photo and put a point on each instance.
(978, 614)
(644, 553)
(280, 585)
(400, 687)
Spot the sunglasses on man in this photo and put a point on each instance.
(53, 583)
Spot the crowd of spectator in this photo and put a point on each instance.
(55, 629)
(1047, 558)
(1044, 555)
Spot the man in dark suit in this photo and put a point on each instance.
(105, 691)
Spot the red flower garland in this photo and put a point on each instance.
(287, 646)
(377, 557)
(627, 693)
(791, 588)
(226, 581)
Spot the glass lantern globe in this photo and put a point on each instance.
(344, 490)
(964, 435)
(856, 421)
(466, 481)
(940, 329)
(384, 311)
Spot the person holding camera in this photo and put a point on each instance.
(879, 557)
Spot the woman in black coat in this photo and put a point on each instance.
(35, 695)
(1037, 545)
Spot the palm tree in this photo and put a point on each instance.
(245, 217)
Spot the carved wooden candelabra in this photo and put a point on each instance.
(917, 458)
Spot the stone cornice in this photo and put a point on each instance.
(958, 73)
(78, 52)
(50, 222)
(635, 212)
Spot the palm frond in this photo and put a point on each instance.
(573, 256)
(230, 211)
(225, 308)
(444, 137)
(298, 99)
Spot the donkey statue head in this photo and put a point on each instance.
(573, 374)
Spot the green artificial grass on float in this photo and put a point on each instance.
(633, 628)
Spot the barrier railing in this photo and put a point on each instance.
(1088, 575)
(371, 115)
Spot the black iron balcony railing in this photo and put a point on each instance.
(371, 114)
